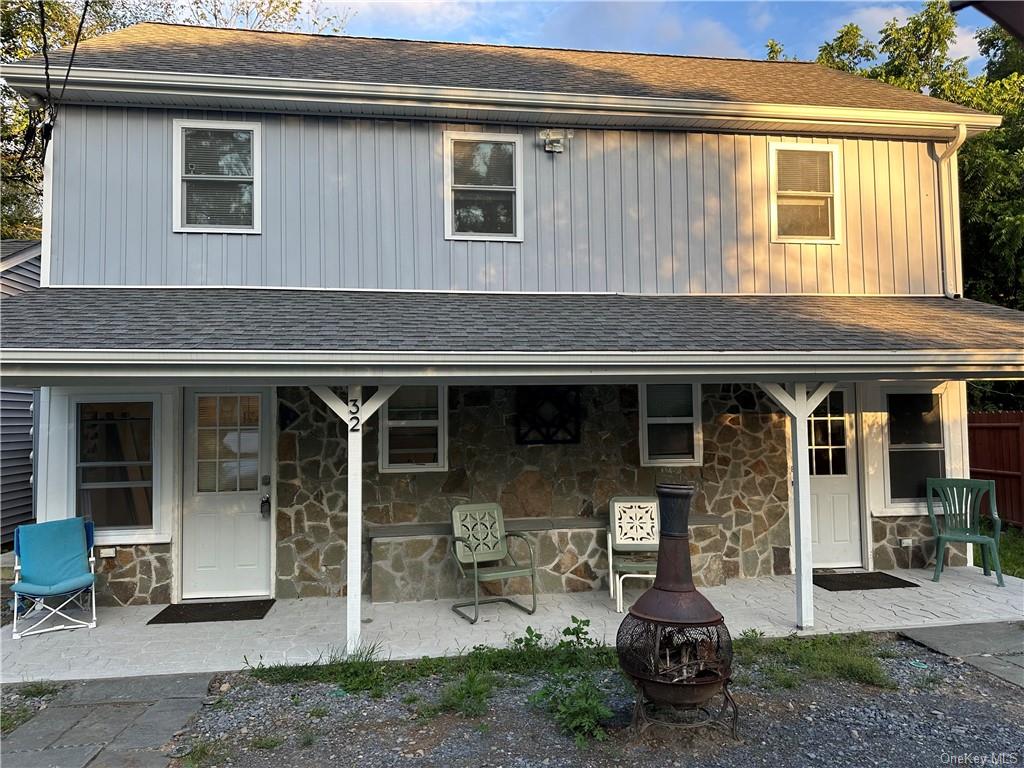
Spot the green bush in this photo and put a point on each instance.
(576, 705)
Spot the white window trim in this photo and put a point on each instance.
(913, 506)
(695, 420)
(441, 422)
(837, 203)
(257, 175)
(152, 534)
(449, 215)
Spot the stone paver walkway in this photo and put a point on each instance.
(112, 723)
(297, 631)
(997, 648)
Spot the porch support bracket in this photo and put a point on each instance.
(799, 400)
(354, 411)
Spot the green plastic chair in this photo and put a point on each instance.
(481, 542)
(961, 512)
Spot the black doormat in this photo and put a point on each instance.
(846, 582)
(190, 613)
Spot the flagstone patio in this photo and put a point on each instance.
(302, 630)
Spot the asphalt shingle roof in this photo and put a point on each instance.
(260, 319)
(203, 50)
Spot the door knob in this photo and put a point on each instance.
(265, 505)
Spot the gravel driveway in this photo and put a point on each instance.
(940, 711)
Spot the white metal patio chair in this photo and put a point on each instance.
(54, 561)
(632, 530)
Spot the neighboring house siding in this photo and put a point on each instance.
(359, 203)
(17, 413)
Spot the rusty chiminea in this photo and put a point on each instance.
(674, 644)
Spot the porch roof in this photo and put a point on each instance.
(385, 333)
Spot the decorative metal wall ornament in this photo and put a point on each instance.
(548, 415)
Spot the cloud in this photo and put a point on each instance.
(965, 46)
(707, 37)
(871, 18)
(760, 17)
(429, 16)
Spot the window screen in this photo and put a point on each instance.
(483, 187)
(804, 197)
(669, 423)
(217, 178)
(114, 469)
(412, 429)
(916, 450)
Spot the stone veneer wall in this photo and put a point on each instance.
(886, 533)
(136, 575)
(743, 481)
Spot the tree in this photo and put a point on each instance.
(21, 165)
(774, 49)
(848, 51)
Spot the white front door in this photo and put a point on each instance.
(225, 545)
(835, 502)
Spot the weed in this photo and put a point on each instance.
(1011, 548)
(267, 742)
(742, 678)
(825, 657)
(205, 753)
(38, 690)
(318, 712)
(577, 706)
(307, 738)
(469, 695)
(223, 704)
(12, 717)
(295, 699)
(410, 698)
(930, 681)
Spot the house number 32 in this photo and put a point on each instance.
(353, 421)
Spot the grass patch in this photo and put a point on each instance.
(38, 690)
(267, 742)
(12, 717)
(469, 695)
(1011, 548)
(204, 754)
(318, 712)
(783, 661)
(365, 671)
(307, 738)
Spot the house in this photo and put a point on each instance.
(303, 294)
(19, 272)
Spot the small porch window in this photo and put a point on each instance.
(916, 448)
(217, 176)
(414, 430)
(483, 186)
(670, 431)
(114, 467)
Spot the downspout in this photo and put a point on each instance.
(943, 194)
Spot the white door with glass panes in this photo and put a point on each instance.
(225, 547)
(835, 501)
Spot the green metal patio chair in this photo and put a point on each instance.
(961, 520)
(481, 541)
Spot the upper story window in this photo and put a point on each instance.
(670, 428)
(805, 193)
(483, 182)
(217, 176)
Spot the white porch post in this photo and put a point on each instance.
(354, 412)
(798, 403)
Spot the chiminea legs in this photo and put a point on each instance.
(646, 714)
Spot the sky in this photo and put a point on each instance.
(720, 28)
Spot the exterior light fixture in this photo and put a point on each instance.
(555, 138)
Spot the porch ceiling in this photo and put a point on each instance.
(277, 335)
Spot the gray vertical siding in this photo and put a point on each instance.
(359, 203)
(17, 413)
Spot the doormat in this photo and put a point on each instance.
(191, 613)
(847, 582)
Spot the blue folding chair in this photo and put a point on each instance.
(54, 560)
